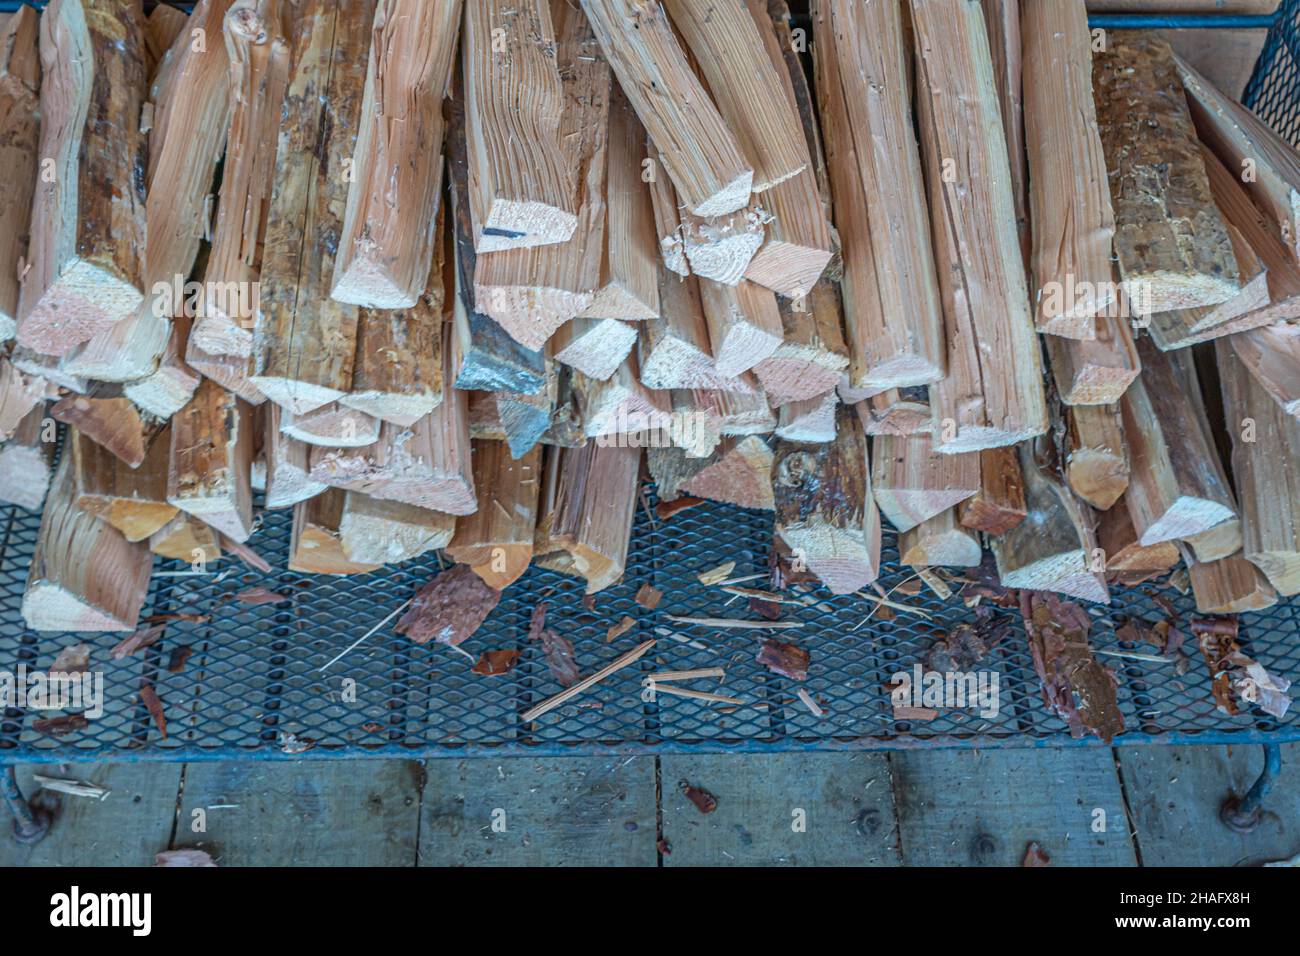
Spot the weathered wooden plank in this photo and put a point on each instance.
(20, 126)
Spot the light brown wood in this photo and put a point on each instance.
(426, 465)
(812, 356)
(27, 461)
(588, 502)
(86, 254)
(1006, 46)
(1179, 328)
(389, 532)
(674, 350)
(746, 86)
(1096, 460)
(305, 342)
(1068, 187)
(940, 542)
(387, 245)
(1265, 164)
(532, 291)
(1213, 544)
(19, 394)
(892, 305)
(913, 482)
(667, 215)
(1173, 249)
(809, 420)
(162, 26)
(620, 405)
(132, 500)
(738, 472)
(798, 246)
(20, 127)
(1095, 371)
(84, 576)
(497, 540)
(1177, 487)
(629, 267)
(999, 506)
(825, 511)
(521, 193)
(257, 39)
(1118, 541)
(744, 324)
(185, 538)
(1054, 548)
(333, 425)
(595, 347)
(288, 462)
(211, 457)
(693, 144)
(316, 545)
(397, 374)
(1230, 586)
(1273, 356)
(1266, 469)
(167, 389)
(895, 412)
(109, 419)
(721, 247)
(993, 392)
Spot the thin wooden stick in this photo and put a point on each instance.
(697, 674)
(695, 694)
(725, 622)
(631, 657)
(808, 702)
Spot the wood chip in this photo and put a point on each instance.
(648, 597)
(153, 703)
(716, 575)
(450, 608)
(788, 660)
(496, 663)
(546, 706)
(624, 625)
(258, 596)
(704, 801)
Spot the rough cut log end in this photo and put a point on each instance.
(296, 397)
(388, 532)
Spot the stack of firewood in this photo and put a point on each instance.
(435, 274)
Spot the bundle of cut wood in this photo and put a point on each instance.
(433, 274)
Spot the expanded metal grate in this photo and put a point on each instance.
(253, 687)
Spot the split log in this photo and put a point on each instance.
(696, 426)
(895, 412)
(426, 465)
(721, 247)
(27, 461)
(1095, 371)
(533, 290)
(387, 244)
(316, 545)
(667, 216)
(812, 356)
(288, 463)
(1179, 328)
(738, 473)
(798, 246)
(333, 425)
(746, 86)
(913, 482)
(256, 34)
(1173, 249)
(231, 372)
(186, 539)
(674, 350)
(304, 343)
(48, 367)
(132, 500)
(892, 303)
(497, 540)
(999, 506)
(1096, 459)
(19, 394)
(595, 347)
(161, 28)
(1069, 190)
(621, 405)
(211, 458)
(20, 127)
(521, 193)
(825, 511)
(1118, 541)
(109, 419)
(629, 268)
(1054, 548)
(1273, 356)
(1224, 539)
(737, 413)
(397, 374)
(993, 393)
(940, 542)
(588, 502)
(84, 576)
(1229, 586)
(810, 420)
(1002, 22)
(169, 388)
(86, 255)
(1245, 144)
(389, 532)
(1266, 466)
(744, 324)
(1177, 487)
(693, 144)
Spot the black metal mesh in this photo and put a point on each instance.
(253, 686)
(1274, 88)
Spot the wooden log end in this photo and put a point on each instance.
(1187, 517)
(1231, 585)
(402, 409)
(1065, 572)
(297, 398)
(530, 314)
(85, 300)
(333, 427)
(787, 268)
(515, 224)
